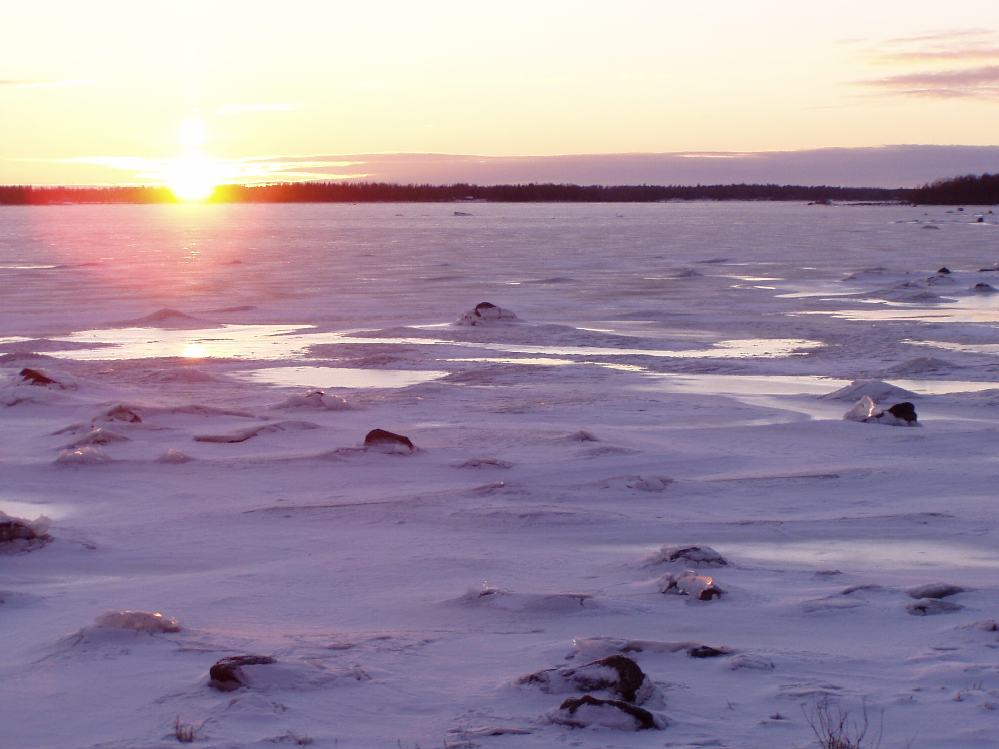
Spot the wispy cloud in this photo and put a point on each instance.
(243, 108)
(948, 65)
(44, 84)
(968, 83)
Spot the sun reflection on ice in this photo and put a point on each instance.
(194, 351)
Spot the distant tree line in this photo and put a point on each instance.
(970, 190)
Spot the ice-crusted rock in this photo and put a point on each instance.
(876, 390)
(381, 440)
(173, 456)
(618, 676)
(83, 456)
(866, 411)
(99, 436)
(929, 606)
(689, 583)
(138, 620)
(316, 398)
(588, 711)
(21, 529)
(227, 675)
(696, 555)
(934, 590)
(485, 313)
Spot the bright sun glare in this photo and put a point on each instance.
(192, 178)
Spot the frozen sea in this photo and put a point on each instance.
(668, 381)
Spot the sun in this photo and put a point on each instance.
(192, 179)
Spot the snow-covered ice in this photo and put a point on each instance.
(187, 391)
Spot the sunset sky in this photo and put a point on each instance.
(135, 91)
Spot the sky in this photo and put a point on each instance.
(152, 92)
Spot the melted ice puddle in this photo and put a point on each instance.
(339, 377)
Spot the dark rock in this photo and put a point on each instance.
(122, 412)
(695, 555)
(983, 288)
(905, 411)
(569, 713)
(383, 437)
(37, 377)
(484, 306)
(12, 530)
(944, 270)
(689, 583)
(226, 675)
(705, 651)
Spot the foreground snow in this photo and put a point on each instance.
(596, 481)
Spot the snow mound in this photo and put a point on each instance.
(593, 648)
(874, 389)
(922, 365)
(689, 583)
(83, 456)
(638, 483)
(168, 318)
(930, 606)
(555, 603)
(21, 529)
(616, 675)
(581, 436)
(315, 399)
(693, 554)
(242, 435)
(181, 375)
(173, 456)
(484, 463)
(484, 314)
(867, 412)
(750, 662)
(983, 288)
(142, 621)
(120, 412)
(592, 712)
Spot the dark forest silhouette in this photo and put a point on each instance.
(967, 190)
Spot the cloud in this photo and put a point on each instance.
(242, 108)
(44, 84)
(968, 83)
(949, 65)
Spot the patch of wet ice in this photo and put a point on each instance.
(339, 377)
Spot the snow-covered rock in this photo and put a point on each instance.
(696, 555)
(929, 606)
(593, 648)
(173, 456)
(21, 529)
(934, 590)
(485, 313)
(592, 712)
(316, 398)
(616, 675)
